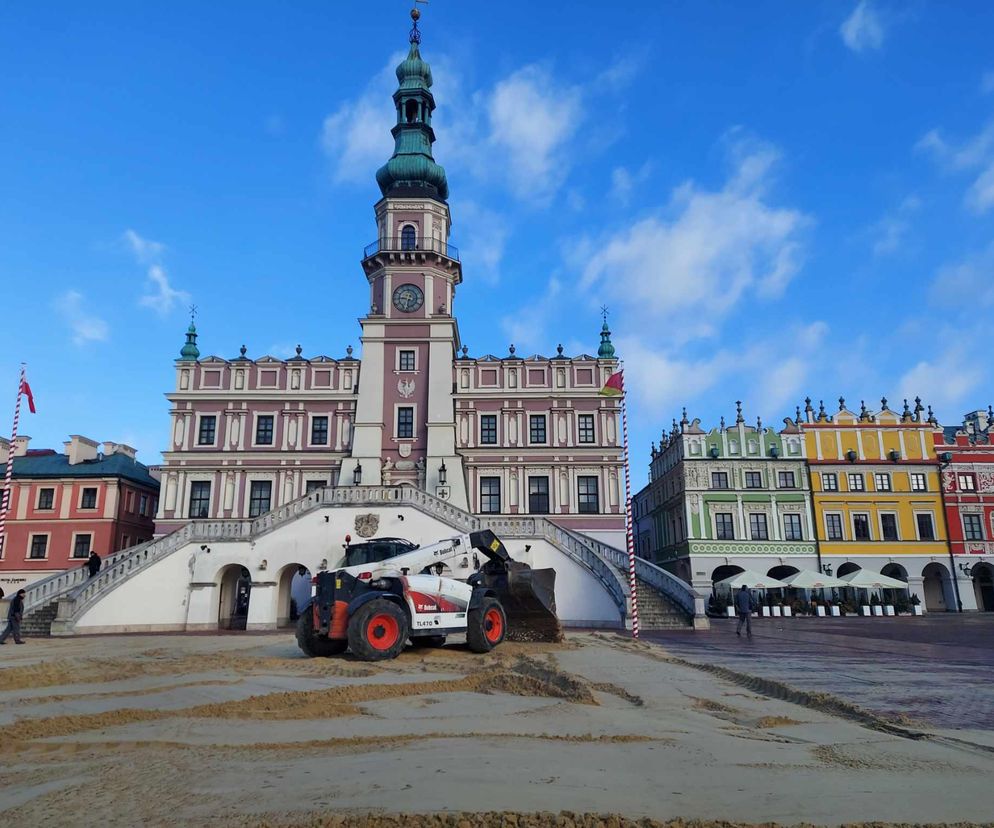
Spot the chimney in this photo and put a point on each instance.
(80, 449)
(119, 448)
(21, 446)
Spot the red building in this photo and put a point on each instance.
(967, 454)
(66, 505)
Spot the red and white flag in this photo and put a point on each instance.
(25, 389)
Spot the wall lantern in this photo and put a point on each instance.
(826, 569)
(205, 548)
(357, 474)
(714, 451)
(894, 455)
(263, 565)
(441, 474)
(774, 451)
(946, 457)
(966, 569)
(851, 456)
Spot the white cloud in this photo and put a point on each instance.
(889, 233)
(944, 380)
(976, 153)
(528, 327)
(688, 266)
(482, 237)
(164, 296)
(624, 182)
(970, 280)
(84, 325)
(863, 29)
(145, 250)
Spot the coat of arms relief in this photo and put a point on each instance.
(366, 525)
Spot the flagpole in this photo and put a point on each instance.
(8, 491)
(629, 536)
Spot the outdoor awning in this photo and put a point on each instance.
(868, 579)
(806, 579)
(752, 580)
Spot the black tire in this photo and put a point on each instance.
(312, 645)
(486, 626)
(428, 641)
(378, 630)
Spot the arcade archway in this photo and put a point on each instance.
(983, 586)
(938, 588)
(234, 592)
(293, 594)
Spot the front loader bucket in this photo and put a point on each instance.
(529, 600)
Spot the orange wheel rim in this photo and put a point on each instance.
(493, 625)
(382, 631)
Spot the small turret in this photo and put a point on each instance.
(190, 352)
(606, 349)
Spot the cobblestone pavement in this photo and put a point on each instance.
(937, 671)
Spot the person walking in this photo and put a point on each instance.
(743, 607)
(93, 564)
(14, 616)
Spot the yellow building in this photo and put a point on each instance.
(877, 499)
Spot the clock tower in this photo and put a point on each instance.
(404, 429)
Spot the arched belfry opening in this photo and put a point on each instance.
(408, 237)
(411, 112)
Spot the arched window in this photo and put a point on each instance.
(408, 238)
(411, 111)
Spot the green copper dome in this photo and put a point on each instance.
(606, 349)
(411, 169)
(190, 352)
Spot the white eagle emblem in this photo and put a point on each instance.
(405, 388)
(366, 525)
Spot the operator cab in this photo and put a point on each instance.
(376, 550)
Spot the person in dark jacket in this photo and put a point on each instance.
(93, 564)
(743, 607)
(14, 616)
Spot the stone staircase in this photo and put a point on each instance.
(38, 622)
(71, 593)
(657, 612)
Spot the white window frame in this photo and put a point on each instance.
(897, 525)
(800, 524)
(979, 515)
(960, 476)
(852, 525)
(255, 428)
(38, 507)
(545, 416)
(593, 417)
(31, 539)
(396, 362)
(479, 427)
(247, 497)
(745, 478)
(310, 429)
(792, 473)
(849, 479)
(96, 503)
(735, 527)
(766, 524)
(911, 481)
(935, 534)
(72, 546)
(877, 477)
(217, 429)
(829, 474)
(414, 422)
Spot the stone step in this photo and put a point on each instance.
(38, 623)
(656, 611)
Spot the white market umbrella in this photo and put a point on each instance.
(752, 580)
(868, 579)
(806, 579)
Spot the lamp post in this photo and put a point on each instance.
(442, 474)
(945, 458)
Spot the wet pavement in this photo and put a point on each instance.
(937, 671)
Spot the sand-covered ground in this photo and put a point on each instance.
(243, 730)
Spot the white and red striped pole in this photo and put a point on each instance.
(8, 489)
(629, 534)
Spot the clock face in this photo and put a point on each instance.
(408, 298)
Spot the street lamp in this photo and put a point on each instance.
(357, 473)
(827, 569)
(441, 474)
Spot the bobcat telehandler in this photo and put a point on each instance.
(372, 605)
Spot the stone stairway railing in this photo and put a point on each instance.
(679, 592)
(77, 592)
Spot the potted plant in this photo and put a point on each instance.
(901, 605)
(865, 609)
(916, 606)
(834, 610)
(768, 606)
(877, 606)
(818, 608)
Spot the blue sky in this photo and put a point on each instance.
(774, 198)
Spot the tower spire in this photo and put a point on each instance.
(606, 349)
(190, 352)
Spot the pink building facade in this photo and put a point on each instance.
(492, 435)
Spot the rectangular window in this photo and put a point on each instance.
(490, 495)
(264, 430)
(39, 546)
(319, 431)
(882, 481)
(967, 483)
(406, 361)
(888, 527)
(313, 485)
(260, 497)
(200, 498)
(81, 549)
(830, 482)
(46, 498)
(719, 480)
(861, 526)
(724, 527)
(405, 423)
(786, 480)
(919, 483)
(538, 495)
(488, 430)
(926, 528)
(129, 501)
(588, 501)
(856, 483)
(973, 528)
(833, 527)
(143, 505)
(754, 480)
(536, 428)
(792, 528)
(585, 428)
(207, 431)
(89, 499)
(758, 529)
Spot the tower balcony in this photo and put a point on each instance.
(412, 250)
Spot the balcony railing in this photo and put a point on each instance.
(411, 244)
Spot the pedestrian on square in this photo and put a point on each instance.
(14, 615)
(93, 564)
(743, 607)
